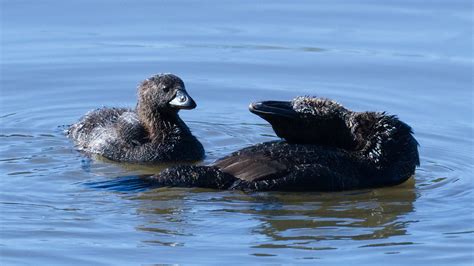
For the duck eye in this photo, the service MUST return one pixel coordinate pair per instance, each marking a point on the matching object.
(166, 89)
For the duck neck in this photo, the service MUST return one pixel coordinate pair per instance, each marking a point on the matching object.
(160, 125)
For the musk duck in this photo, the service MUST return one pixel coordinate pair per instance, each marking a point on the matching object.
(151, 133)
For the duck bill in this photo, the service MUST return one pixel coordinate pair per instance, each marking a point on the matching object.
(182, 100)
(273, 109)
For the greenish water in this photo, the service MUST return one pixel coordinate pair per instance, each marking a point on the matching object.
(60, 59)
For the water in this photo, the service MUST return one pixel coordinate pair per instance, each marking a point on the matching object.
(60, 59)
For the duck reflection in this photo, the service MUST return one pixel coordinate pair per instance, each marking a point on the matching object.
(274, 219)
(361, 215)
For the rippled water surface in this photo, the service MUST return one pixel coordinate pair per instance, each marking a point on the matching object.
(60, 59)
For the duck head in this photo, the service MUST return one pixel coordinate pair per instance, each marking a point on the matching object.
(307, 120)
(163, 94)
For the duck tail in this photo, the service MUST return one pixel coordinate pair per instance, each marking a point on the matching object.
(192, 176)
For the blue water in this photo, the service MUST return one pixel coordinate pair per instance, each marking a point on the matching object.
(60, 59)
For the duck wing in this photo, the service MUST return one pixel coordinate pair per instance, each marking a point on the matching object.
(305, 177)
(280, 163)
(255, 163)
(253, 166)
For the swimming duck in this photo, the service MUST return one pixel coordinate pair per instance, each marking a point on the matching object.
(151, 133)
(325, 147)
